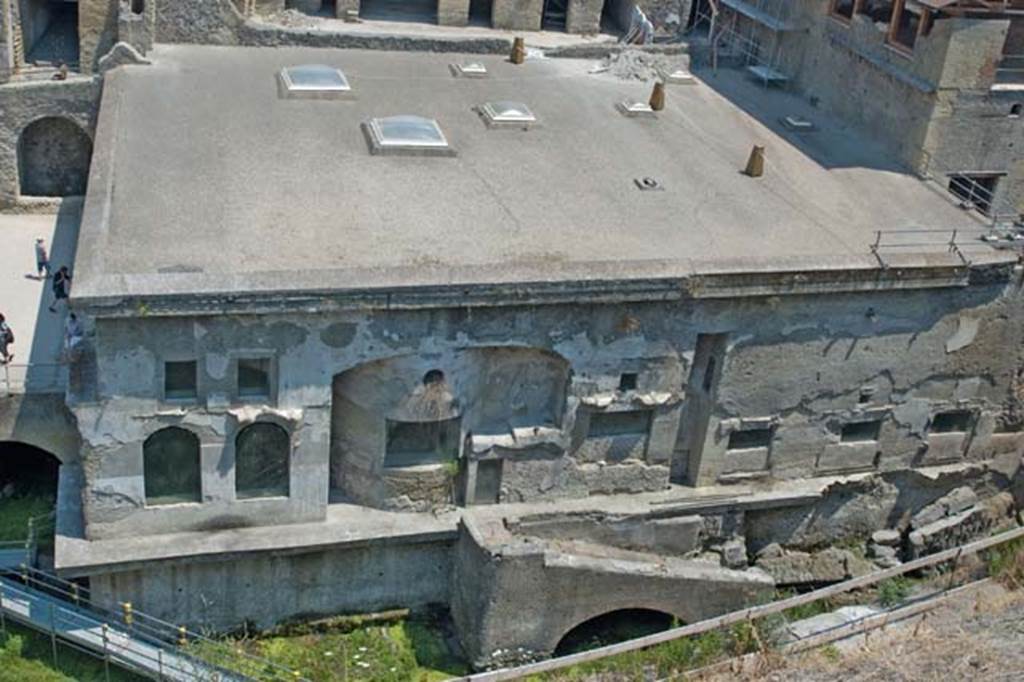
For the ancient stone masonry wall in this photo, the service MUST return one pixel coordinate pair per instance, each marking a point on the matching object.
(218, 22)
(73, 102)
(418, 409)
(97, 30)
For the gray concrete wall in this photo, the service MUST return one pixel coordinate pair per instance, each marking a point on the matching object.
(263, 589)
(806, 366)
(521, 596)
(41, 420)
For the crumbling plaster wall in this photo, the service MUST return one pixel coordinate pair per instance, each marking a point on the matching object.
(41, 420)
(807, 365)
(23, 103)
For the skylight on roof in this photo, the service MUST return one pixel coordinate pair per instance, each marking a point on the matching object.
(469, 70)
(313, 81)
(505, 113)
(414, 135)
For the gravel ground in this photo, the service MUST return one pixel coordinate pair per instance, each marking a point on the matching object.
(976, 636)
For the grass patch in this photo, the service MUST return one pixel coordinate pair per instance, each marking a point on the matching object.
(397, 651)
(27, 656)
(16, 511)
(669, 658)
(1005, 563)
(894, 590)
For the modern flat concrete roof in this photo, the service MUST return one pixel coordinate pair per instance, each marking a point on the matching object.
(204, 181)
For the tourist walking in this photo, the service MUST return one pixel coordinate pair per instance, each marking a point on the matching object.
(42, 258)
(6, 340)
(61, 287)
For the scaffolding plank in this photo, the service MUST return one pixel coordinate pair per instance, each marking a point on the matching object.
(759, 15)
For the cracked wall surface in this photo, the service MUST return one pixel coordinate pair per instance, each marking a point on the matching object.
(539, 394)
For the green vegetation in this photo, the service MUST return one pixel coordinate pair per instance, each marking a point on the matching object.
(397, 651)
(27, 656)
(894, 590)
(671, 657)
(1005, 563)
(16, 511)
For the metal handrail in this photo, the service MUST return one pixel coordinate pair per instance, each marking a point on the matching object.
(9, 386)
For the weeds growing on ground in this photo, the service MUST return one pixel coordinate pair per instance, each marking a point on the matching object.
(893, 591)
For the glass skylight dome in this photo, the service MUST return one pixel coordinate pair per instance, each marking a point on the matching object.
(507, 113)
(314, 81)
(406, 134)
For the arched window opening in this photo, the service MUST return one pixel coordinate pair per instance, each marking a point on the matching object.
(171, 467)
(434, 376)
(613, 627)
(53, 158)
(262, 451)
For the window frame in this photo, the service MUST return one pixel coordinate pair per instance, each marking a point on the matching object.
(898, 8)
(237, 357)
(162, 378)
(288, 462)
(148, 503)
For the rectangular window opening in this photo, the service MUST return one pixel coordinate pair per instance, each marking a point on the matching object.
(180, 380)
(627, 381)
(750, 438)
(416, 443)
(254, 377)
(859, 432)
(954, 421)
(905, 28)
(843, 8)
(631, 423)
(488, 481)
(878, 11)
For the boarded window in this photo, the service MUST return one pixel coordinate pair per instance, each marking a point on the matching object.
(750, 438)
(170, 467)
(955, 421)
(180, 380)
(413, 443)
(631, 423)
(262, 451)
(254, 378)
(858, 432)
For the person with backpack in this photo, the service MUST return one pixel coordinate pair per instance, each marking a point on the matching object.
(6, 340)
(61, 287)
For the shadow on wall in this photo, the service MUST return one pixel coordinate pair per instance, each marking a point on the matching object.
(827, 146)
(53, 158)
(409, 411)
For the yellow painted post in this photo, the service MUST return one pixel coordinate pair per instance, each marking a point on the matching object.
(128, 615)
(182, 636)
(74, 593)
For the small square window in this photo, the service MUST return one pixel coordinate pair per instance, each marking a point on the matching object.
(610, 424)
(180, 380)
(860, 432)
(627, 381)
(750, 438)
(955, 421)
(254, 377)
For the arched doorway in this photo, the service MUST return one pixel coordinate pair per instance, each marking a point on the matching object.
(53, 158)
(612, 627)
(28, 490)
